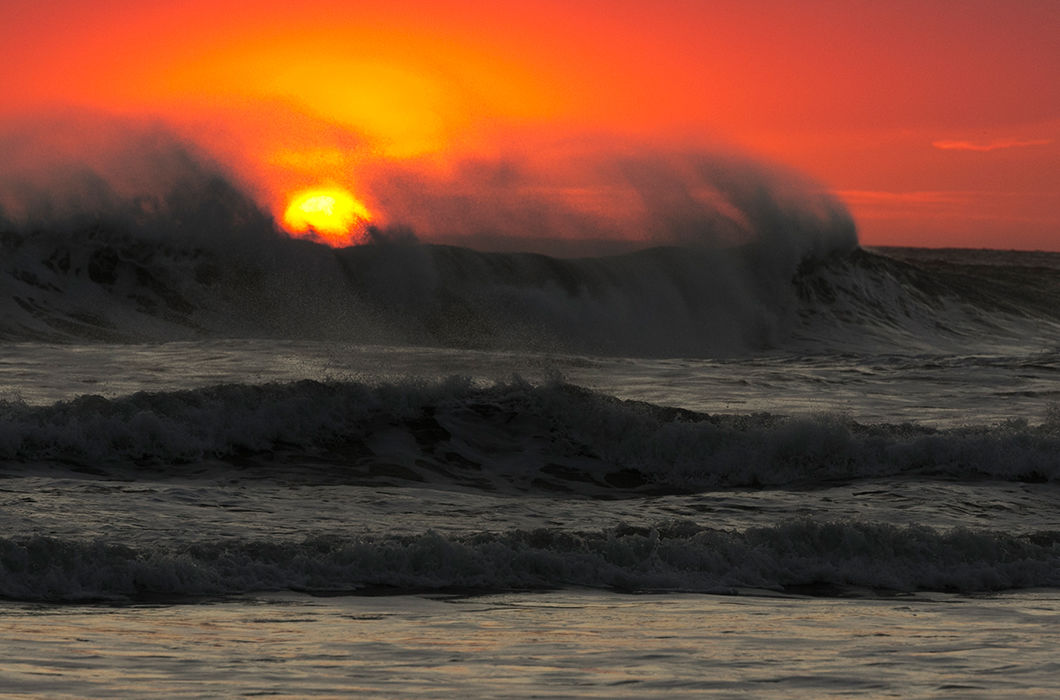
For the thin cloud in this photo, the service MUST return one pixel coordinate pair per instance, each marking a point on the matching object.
(994, 145)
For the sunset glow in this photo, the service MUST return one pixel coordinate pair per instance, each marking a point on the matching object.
(390, 99)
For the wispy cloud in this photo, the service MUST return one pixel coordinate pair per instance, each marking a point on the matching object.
(994, 145)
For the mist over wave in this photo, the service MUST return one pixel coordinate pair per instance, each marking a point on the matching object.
(605, 197)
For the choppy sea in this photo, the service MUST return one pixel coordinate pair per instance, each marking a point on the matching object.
(405, 470)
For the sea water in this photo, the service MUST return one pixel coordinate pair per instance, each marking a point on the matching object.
(141, 566)
(410, 470)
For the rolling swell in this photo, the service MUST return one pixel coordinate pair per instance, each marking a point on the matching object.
(675, 556)
(509, 436)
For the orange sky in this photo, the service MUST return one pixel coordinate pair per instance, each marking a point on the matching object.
(938, 123)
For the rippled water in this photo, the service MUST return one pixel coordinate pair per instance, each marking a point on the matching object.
(550, 644)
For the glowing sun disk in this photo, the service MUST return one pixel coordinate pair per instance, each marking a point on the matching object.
(333, 213)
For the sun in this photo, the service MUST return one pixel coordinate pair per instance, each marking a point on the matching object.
(331, 214)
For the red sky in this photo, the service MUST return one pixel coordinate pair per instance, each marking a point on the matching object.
(937, 123)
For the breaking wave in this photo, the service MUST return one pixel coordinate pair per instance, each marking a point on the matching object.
(659, 302)
(796, 556)
(149, 241)
(554, 437)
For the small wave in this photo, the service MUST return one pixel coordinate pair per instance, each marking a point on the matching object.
(676, 556)
(506, 435)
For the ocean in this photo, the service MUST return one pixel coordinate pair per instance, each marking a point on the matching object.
(267, 467)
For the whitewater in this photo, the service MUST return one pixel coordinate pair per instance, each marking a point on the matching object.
(239, 464)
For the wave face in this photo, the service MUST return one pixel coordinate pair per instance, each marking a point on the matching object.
(675, 556)
(958, 300)
(554, 438)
